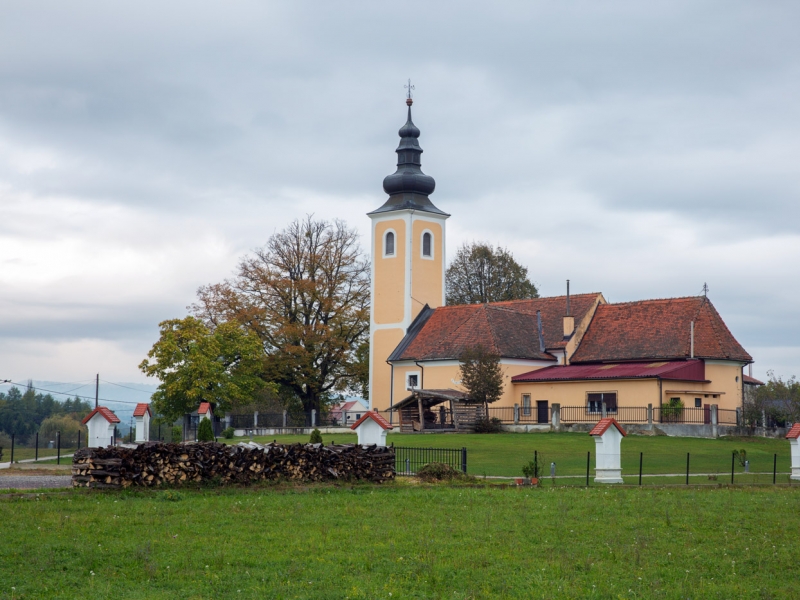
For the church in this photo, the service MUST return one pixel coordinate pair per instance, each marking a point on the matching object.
(574, 350)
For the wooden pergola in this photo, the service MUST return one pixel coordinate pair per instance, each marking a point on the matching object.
(460, 414)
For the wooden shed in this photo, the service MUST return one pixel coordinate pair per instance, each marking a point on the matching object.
(442, 410)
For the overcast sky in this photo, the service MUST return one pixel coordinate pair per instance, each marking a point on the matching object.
(639, 149)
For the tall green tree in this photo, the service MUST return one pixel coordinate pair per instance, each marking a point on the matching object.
(481, 375)
(778, 399)
(222, 365)
(481, 273)
(305, 296)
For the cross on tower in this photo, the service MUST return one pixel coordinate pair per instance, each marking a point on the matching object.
(410, 89)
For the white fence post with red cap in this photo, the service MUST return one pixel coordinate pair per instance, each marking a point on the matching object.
(100, 423)
(608, 436)
(794, 445)
(371, 429)
(142, 415)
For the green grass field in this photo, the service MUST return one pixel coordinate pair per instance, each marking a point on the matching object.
(403, 541)
(504, 454)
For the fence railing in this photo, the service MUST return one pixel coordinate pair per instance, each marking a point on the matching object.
(683, 415)
(442, 418)
(409, 460)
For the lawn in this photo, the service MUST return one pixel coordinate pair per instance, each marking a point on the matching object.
(504, 454)
(402, 540)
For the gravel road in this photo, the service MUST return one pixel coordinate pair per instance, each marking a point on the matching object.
(29, 482)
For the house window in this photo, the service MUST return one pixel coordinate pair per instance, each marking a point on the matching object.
(358, 416)
(388, 244)
(698, 402)
(526, 405)
(412, 381)
(427, 245)
(595, 401)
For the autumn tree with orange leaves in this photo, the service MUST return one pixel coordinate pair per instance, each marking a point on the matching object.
(305, 295)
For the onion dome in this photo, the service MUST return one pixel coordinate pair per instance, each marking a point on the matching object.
(408, 187)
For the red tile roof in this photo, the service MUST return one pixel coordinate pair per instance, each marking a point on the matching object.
(140, 409)
(794, 432)
(751, 380)
(375, 417)
(103, 412)
(508, 329)
(689, 370)
(658, 329)
(604, 424)
(203, 408)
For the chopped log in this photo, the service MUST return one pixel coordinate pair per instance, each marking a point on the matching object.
(155, 463)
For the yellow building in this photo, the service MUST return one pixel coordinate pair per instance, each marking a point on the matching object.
(577, 351)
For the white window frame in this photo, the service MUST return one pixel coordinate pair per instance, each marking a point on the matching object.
(422, 245)
(409, 374)
(383, 243)
(526, 410)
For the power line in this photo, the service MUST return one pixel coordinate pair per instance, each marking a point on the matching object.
(126, 387)
(70, 395)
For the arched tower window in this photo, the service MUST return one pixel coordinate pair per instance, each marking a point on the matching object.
(388, 244)
(427, 245)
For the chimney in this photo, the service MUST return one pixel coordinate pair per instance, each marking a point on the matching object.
(569, 320)
(691, 339)
(569, 325)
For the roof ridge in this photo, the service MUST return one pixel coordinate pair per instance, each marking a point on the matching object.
(652, 300)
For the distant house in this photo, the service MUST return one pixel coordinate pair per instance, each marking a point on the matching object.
(100, 423)
(347, 412)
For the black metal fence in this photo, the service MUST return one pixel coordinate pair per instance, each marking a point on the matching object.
(409, 460)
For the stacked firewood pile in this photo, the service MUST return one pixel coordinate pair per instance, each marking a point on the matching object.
(156, 463)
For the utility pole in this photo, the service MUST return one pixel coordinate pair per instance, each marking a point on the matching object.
(96, 389)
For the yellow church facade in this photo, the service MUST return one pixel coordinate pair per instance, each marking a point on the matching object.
(572, 350)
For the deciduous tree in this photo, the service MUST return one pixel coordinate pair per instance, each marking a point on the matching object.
(481, 273)
(196, 364)
(305, 295)
(481, 375)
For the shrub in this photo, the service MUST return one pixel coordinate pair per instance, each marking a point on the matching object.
(316, 437)
(437, 471)
(177, 435)
(485, 425)
(533, 469)
(227, 433)
(68, 427)
(205, 432)
(673, 410)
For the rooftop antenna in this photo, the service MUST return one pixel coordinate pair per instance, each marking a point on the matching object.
(567, 297)
(96, 389)
(409, 95)
(705, 290)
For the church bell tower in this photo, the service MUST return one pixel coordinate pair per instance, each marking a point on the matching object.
(408, 262)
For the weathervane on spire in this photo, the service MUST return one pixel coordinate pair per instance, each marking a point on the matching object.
(410, 88)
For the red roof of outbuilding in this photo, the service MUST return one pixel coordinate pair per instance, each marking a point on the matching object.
(751, 380)
(794, 432)
(604, 424)
(203, 408)
(104, 412)
(658, 329)
(508, 329)
(375, 417)
(140, 409)
(689, 370)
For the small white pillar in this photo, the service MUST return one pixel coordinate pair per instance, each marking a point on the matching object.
(794, 444)
(608, 436)
(142, 415)
(372, 429)
(100, 423)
